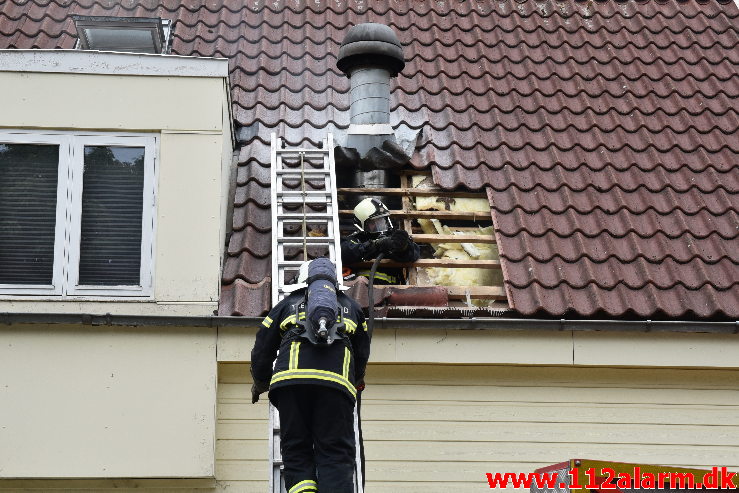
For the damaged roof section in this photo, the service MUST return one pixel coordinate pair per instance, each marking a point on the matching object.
(602, 132)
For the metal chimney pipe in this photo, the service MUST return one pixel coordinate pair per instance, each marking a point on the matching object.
(369, 96)
(370, 55)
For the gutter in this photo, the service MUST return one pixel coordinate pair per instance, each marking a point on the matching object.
(381, 323)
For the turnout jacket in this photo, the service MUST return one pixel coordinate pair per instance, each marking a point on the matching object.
(339, 365)
(359, 246)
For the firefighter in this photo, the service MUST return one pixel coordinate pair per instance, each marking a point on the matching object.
(377, 235)
(314, 385)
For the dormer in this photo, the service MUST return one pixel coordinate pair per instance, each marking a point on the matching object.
(114, 172)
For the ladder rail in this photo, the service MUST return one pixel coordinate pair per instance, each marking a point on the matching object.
(329, 142)
(275, 165)
(281, 217)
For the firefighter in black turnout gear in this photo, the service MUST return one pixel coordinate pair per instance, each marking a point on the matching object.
(319, 370)
(377, 235)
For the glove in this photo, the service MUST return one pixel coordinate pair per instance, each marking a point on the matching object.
(395, 242)
(360, 385)
(400, 240)
(258, 388)
(384, 244)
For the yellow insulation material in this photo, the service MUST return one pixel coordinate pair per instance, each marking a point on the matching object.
(444, 203)
(443, 276)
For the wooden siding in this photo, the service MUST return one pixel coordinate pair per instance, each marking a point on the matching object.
(441, 428)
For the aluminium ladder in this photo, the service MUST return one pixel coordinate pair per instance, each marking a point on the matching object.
(312, 204)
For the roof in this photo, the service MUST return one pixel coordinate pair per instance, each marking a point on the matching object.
(603, 132)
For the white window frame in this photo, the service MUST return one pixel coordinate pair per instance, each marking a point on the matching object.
(69, 215)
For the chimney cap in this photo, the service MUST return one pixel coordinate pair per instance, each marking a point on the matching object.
(371, 44)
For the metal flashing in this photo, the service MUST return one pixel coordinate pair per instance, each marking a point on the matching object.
(370, 129)
(111, 63)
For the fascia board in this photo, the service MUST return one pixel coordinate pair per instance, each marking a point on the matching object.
(111, 63)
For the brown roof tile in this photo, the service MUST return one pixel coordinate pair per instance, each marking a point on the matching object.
(603, 132)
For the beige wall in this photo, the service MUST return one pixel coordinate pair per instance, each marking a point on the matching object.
(443, 407)
(440, 428)
(107, 402)
(111, 102)
(191, 117)
(431, 423)
(527, 347)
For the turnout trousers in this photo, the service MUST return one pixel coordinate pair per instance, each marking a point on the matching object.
(316, 438)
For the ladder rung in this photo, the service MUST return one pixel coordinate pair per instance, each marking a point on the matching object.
(281, 264)
(298, 172)
(304, 150)
(311, 240)
(308, 193)
(293, 265)
(313, 218)
(309, 200)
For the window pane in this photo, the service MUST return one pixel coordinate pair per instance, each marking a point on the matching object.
(28, 182)
(112, 204)
(129, 40)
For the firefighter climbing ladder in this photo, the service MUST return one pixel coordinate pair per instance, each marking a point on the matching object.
(301, 208)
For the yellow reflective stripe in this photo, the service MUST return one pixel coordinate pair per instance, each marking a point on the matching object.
(306, 485)
(351, 325)
(379, 275)
(364, 326)
(347, 359)
(328, 376)
(288, 320)
(267, 321)
(291, 320)
(294, 352)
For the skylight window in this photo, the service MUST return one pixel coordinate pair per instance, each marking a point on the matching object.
(126, 34)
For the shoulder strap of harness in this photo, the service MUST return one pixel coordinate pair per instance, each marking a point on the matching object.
(305, 329)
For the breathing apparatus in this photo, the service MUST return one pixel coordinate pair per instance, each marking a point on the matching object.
(323, 316)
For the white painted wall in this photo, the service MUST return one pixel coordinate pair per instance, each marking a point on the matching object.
(107, 402)
(191, 114)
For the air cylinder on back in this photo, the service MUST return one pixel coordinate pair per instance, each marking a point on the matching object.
(321, 308)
